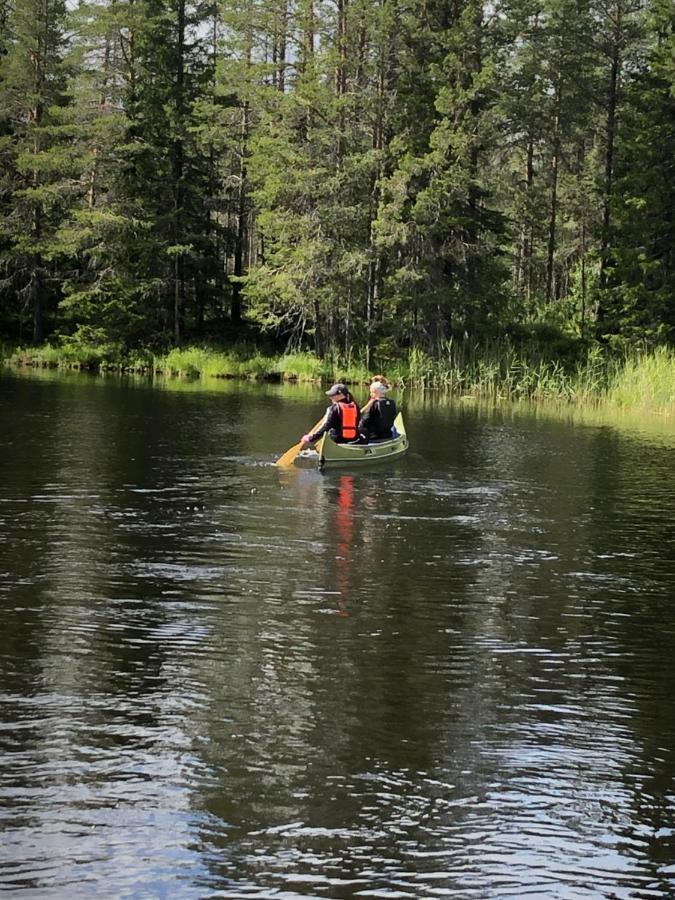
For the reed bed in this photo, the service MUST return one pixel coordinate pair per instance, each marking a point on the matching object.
(198, 362)
(646, 381)
(494, 371)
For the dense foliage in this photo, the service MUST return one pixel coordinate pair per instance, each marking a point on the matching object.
(355, 176)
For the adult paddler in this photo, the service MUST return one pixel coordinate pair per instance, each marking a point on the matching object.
(341, 420)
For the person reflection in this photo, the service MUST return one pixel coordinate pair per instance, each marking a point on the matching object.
(344, 520)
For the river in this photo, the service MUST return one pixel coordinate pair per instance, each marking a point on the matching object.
(451, 677)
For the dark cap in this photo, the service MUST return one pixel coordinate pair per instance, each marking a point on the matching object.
(338, 388)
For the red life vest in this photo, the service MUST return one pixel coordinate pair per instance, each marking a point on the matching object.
(349, 412)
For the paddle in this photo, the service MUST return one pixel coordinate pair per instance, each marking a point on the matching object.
(289, 456)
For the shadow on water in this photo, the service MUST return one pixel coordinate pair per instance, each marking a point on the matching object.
(446, 678)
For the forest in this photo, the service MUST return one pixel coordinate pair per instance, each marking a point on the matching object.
(340, 176)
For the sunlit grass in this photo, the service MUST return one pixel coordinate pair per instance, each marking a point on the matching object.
(242, 362)
(302, 366)
(502, 372)
(49, 356)
(645, 381)
(200, 362)
(76, 354)
(497, 371)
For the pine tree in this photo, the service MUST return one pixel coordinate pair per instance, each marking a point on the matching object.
(97, 303)
(167, 172)
(315, 156)
(640, 298)
(9, 312)
(358, 176)
(37, 154)
(439, 220)
(143, 230)
(619, 28)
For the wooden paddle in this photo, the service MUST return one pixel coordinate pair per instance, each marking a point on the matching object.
(289, 456)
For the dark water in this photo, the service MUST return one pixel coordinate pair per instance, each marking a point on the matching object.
(450, 678)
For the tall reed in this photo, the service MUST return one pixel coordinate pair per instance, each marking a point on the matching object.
(500, 370)
(496, 369)
(203, 362)
(645, 380)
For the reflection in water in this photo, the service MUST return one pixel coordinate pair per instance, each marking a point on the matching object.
(448, 678)
(344, 532)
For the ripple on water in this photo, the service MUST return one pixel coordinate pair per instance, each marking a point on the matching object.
(451, 679)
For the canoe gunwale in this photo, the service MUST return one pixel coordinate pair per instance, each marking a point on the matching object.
(332, 454)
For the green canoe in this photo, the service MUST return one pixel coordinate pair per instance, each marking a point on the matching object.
(328, 454)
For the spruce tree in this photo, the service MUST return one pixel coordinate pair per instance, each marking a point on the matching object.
(439, 220)
(639, 303)
(36, 149)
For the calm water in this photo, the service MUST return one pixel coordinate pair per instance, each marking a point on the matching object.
(450, 678)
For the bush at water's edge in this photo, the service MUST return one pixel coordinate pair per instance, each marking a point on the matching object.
(497, 371)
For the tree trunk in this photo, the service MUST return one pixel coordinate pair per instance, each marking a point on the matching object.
(583, 279)
(102, 103)
(371, 307)
(374, 285)
(552, 225)
(318, 331)
(341, 37)
(307, 26)
(178, 298)
(610, 127)
(280, 41)
(240, 240)
(35, 302)
(35, 286)
(178, 166)
(524, 269)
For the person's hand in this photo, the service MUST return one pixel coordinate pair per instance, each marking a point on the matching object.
(304, 442)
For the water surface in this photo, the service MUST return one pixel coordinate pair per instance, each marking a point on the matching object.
(448, 678)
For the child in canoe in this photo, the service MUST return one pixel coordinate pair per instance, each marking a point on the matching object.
(379, 413)
(341, 420)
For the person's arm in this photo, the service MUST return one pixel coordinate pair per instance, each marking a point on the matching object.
(369, 414)
(328, 423)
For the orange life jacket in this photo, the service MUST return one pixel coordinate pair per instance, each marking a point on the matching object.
(349, 412)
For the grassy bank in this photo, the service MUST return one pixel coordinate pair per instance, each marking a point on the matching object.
(190, 362)
(644, 380)
(492, 371)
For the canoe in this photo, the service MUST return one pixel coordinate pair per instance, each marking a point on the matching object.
(328, 454)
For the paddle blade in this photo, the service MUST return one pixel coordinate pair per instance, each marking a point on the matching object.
(289, 456)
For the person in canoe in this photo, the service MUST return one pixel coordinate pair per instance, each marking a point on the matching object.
(341, 420)
(379, 413)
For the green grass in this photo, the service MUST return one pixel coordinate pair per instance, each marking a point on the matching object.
(646, 381)
(201, 362)
(501, 371)
(302, 366)
(496, 370)
(69, 354)
(247, 362)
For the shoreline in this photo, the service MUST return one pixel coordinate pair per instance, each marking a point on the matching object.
(643, 381)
